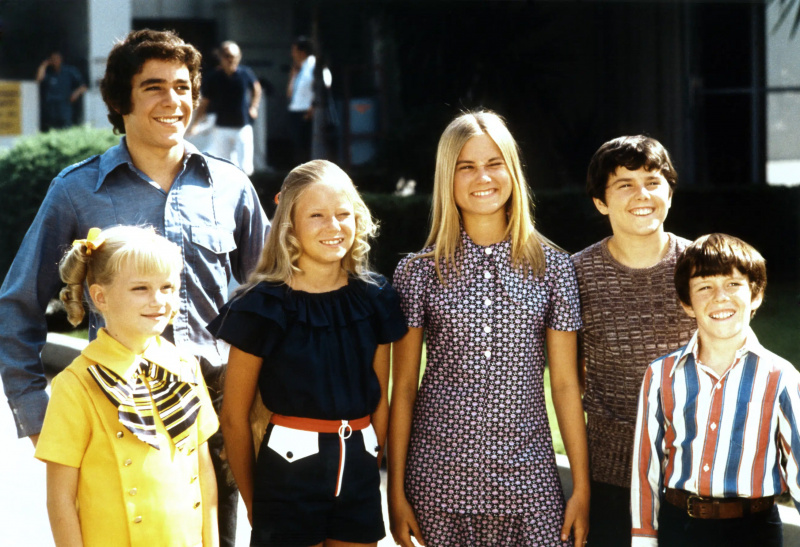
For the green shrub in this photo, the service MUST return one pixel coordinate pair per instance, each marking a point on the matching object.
(26, 171)
(766, 217)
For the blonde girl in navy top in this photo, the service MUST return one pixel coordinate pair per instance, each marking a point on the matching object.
(311, 332)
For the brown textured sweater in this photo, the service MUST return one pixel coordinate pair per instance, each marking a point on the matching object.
(630, 317)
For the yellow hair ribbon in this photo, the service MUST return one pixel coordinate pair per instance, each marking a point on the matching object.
(92, 241)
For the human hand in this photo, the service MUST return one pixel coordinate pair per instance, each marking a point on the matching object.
(576, 518)
(403, 523)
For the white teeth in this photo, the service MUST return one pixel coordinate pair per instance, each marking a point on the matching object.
(483, 193)
(331, 241)
(643, 211)
(172, 119)
(721, 315)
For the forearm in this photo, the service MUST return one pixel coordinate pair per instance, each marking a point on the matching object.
(77, 93)
(31, 282)
(380, 417)
(646, 473)
(562, 352)
(255, 99)
(406, 356)
(208, 493)
(62, 488)
(569, 413)
(241, 456)
(65, 524)
(401, 412)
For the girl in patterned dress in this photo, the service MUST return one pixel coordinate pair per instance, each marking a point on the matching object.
(311, 334)
(126, 430)
(471, 459)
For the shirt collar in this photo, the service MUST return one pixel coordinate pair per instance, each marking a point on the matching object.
(119, 155)
(106, 351)
(470, 247)
(751, 345)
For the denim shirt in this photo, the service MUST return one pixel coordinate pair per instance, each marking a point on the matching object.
(211, 212)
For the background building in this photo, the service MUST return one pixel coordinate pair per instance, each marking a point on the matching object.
(717, 82)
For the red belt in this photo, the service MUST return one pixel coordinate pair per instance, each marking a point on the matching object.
(344, 428)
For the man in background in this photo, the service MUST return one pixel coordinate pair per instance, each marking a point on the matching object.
(300, 93)
(233, 93)
(60, 86)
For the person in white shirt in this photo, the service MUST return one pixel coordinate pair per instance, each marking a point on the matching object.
(300, 92)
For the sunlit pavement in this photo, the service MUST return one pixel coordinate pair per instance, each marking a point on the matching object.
(23, 514)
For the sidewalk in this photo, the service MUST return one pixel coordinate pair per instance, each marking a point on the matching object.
(23, 510)
(23, 513)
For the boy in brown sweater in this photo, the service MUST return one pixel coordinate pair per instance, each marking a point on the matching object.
(630, 311)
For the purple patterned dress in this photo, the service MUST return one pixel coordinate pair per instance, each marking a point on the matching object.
(480, 441)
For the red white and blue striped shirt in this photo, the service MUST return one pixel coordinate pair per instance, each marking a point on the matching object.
(715, 436)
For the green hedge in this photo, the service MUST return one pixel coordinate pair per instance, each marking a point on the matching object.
(25, 174)
(766, 217)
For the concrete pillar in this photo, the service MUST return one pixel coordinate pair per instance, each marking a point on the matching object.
(106, 26)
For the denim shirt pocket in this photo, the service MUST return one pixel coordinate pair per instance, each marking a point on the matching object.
(210, 247)
(293, 444)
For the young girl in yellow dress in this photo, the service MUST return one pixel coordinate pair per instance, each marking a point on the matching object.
(124, 437)
(311, 333)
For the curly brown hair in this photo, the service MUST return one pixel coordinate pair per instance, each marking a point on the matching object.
(129, 56)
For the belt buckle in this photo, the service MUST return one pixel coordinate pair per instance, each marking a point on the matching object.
(689, 501)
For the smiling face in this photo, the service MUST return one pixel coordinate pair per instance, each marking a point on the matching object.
(324, 225)
(722, 305)
(636, 202)
(137, 306)
(482, 183)
(161, 107)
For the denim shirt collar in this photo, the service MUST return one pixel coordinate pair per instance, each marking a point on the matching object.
(119, 155)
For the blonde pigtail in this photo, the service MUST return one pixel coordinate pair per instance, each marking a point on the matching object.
(73, 270)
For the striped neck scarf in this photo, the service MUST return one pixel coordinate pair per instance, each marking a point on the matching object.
(152, 401)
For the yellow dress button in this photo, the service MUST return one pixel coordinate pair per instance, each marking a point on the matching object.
(132, 491)
(127, 462)
(137, 520)
(196, 504)
(119, 434)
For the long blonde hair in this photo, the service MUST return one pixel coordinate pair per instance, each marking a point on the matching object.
(445, 234)
(282, 250)
(98, 261)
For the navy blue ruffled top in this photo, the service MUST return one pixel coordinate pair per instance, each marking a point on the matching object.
(318, 348)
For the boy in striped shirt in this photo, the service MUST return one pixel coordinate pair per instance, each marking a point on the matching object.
(717, 429)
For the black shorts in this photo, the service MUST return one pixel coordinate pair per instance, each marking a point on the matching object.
(294, 499)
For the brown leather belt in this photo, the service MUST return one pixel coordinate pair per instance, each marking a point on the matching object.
(717, 508)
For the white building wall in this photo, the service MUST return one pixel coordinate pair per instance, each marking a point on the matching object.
(106, 26)
(783, 107)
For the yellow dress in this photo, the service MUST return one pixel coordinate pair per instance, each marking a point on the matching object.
(129, 493)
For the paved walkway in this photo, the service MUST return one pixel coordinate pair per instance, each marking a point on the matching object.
(23, 510)
(23, 513)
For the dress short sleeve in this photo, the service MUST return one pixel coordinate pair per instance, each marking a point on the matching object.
(253, 321)
(412, 278)
(564, 312)
(67, 424)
